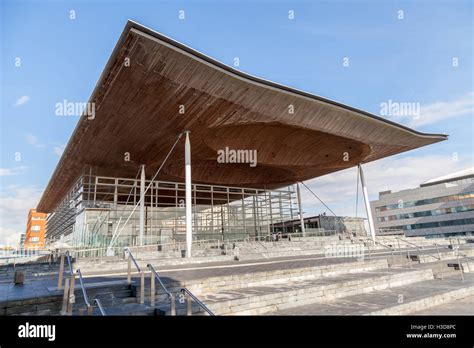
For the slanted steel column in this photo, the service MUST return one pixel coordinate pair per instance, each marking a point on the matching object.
(189, 221)
(142, 204)
(300, 208)
(367, 204)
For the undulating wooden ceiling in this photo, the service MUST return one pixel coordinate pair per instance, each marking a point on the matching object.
(139, 102)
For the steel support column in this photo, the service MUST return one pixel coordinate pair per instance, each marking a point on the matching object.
(189, 221)
(367, 204)
(300, 208)
(142, 205)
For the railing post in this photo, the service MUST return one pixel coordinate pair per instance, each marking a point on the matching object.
(65, 297)
(368, 249)
(71, 297)
(152, 289)
(189, 305)
(61, 271)
(460, 268)
(440, 267)
(409, 258)
(173, 305)
(142, 287)
(129, 269)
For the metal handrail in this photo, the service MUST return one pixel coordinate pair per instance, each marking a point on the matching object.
(202, 305)
(403, 240)
(152, 269)
(381, 244)
(133, 259)
(68, 258)
(419, 248)
(84, 292)
(459, 253)
(99, 305)
(385, 246)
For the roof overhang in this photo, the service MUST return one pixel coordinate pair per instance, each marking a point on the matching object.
(137, 111)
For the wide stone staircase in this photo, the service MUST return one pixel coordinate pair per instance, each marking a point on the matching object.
(297, 277)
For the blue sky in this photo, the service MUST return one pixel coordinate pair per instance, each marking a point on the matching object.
(403, 60)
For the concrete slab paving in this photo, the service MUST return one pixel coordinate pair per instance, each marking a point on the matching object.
(463, 306)
(378, 300)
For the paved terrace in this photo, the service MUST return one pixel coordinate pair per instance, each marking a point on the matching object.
(277, 275)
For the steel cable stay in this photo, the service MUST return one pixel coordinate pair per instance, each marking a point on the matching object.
(147, 188)
(99, 218)
(123, 210)
(314, 194)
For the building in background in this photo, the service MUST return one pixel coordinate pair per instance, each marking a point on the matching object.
(441, 207)
(323, 224)
(21, 243)
(35, 230)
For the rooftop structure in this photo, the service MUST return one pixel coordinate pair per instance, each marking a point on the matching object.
(151, 91)
(153, 88)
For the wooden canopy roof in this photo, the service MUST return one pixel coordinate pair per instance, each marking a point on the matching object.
(150, 77)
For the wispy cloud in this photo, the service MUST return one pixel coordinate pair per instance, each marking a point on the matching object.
(14, 205)
(33, 140)
(440, 111)
(12, 171)
(22, 100)
(58, 150)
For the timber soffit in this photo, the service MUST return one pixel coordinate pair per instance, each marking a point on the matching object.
(133, 27)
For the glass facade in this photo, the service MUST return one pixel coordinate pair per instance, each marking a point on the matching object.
(101, 209)
(435, 212)
(444, 208)
(435, 224)
(410, 204)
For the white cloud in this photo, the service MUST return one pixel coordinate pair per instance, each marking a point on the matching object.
(15, 203)
(22, 100)
(338, 190)
(440, 111)
(9, 237)
(12, 171)
(33, 140)
(58, 150)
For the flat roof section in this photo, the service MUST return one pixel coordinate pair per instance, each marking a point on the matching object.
(137, 111)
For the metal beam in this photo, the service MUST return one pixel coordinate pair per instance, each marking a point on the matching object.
(367, 204)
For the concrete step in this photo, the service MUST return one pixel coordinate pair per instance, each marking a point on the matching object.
(32, 271)
(400, 300)
(134, 309)
(112, 292)
(462, 306)
(433, 256)
(108, 292)
(264, 299)
(442, 270)
(32, 306)
(203, 281)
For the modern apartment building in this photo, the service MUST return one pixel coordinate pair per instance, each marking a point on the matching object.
(35, 230)
(443, 206)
